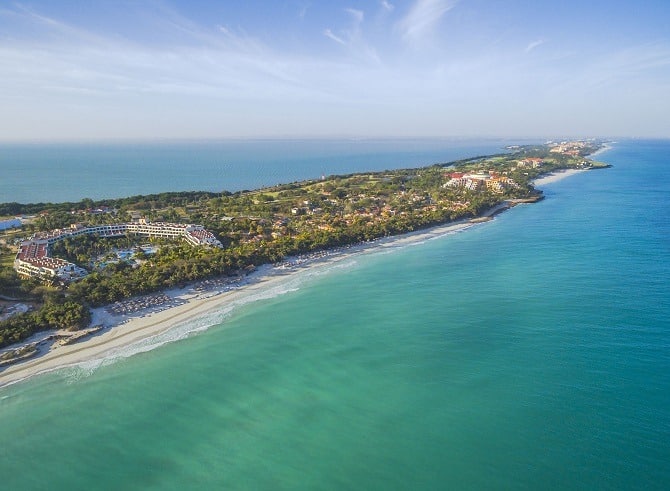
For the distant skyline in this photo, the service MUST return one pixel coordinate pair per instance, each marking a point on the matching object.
(109, 70)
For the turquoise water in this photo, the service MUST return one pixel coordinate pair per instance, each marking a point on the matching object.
(529, 352)
(32, 173)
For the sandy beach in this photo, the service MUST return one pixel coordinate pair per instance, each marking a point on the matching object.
(121, 333)
(605, 148)
(556, 176)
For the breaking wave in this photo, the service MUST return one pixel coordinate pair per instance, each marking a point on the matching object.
(202, 322)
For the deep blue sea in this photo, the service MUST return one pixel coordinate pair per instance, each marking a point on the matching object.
(528, 352)
(33, 173)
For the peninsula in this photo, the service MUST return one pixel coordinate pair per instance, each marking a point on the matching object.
(74, 270)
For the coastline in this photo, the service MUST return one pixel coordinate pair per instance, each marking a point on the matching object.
(556, 176)
(125, 335)
(605, 147)
(121, 333)
(562, 174)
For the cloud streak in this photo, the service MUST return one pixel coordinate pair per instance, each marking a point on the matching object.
(329, 34)
(534, 44)
(353, 37)
(423, 17)
(217, 63)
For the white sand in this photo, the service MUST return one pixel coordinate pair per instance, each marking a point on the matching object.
(605, 148)
(556, 176)
(123, 332)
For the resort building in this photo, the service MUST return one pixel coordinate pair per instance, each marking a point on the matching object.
(500, 184)
(46, 267)
(530, 162)
(33, 259)
(478, 182)
(569, 148)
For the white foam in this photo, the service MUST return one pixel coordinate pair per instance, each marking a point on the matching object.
(190, 327)
(218, 316)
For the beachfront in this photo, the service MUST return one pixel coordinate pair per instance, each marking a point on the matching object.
(125, 328)
(556, 176)
(138, 320)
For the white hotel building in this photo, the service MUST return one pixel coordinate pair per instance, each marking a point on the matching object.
(33, 259)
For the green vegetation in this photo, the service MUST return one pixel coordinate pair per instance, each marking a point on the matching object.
(68, 315)
(11, 285)
(264, 226)
(82, 249)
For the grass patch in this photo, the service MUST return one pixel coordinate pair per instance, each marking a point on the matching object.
(7, 259)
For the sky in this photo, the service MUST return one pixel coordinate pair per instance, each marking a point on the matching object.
(197, 69)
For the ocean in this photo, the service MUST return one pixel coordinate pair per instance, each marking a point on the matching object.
(57, 172)
(528, 352)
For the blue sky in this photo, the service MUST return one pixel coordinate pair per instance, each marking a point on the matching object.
(120, 69)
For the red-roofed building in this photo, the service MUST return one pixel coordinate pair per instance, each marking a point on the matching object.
(33, 259)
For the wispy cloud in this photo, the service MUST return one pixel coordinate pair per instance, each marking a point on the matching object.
(329, 34)
(352, 33)
(232, 75)
(303, 10)
(50, 28)
(353, 38)
(648, 64)
(534, 44)
(423, 17)
(642, 58)
(639, 73)
(357, 15)
(220, 62)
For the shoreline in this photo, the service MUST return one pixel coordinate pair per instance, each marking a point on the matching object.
(189, 304)
(556, 176)
(122, 332)
(605, 147)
